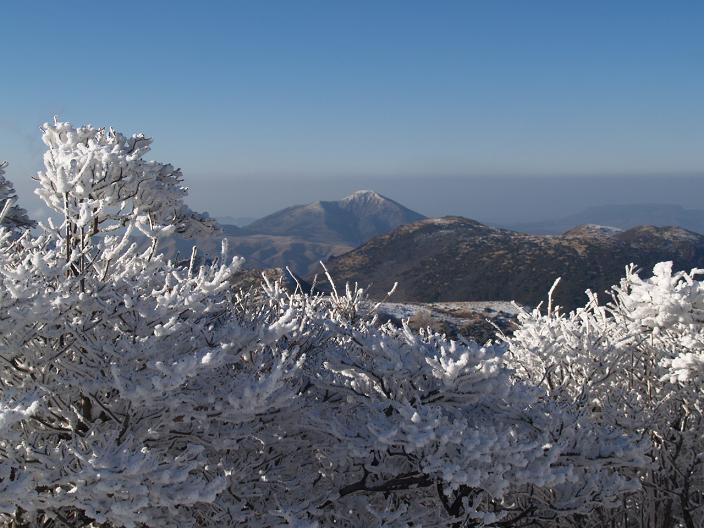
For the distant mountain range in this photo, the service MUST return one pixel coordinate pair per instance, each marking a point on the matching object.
(457, 259)
(302, 235)
(375, 241)
(623, 216)
(352, 220)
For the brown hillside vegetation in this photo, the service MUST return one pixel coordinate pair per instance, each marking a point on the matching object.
(457, 259)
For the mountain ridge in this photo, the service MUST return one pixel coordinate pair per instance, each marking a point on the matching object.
(459, 259)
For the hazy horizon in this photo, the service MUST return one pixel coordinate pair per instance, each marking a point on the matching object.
(493, 199)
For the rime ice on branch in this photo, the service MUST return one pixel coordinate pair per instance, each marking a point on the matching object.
(15, 217)
(98, 180)
(635, 364)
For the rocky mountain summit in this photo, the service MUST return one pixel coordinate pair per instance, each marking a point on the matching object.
(458, 259)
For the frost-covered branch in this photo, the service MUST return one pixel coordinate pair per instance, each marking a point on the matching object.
(634, 364)
(15, 217)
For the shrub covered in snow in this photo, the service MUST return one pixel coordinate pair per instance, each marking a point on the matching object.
(634, 364)
(134, 392)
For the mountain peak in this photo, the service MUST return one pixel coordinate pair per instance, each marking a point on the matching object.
(337, 225)
(365, 196)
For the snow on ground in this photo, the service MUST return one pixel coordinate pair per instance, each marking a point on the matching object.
(490, 308)
(606, 230)
(476, 319)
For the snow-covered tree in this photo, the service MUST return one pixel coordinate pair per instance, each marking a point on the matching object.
(97, 179)
(134, 392)
(15, 217)
(426, 431)
(634, 364)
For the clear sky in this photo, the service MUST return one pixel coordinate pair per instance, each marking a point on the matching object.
(250, 91)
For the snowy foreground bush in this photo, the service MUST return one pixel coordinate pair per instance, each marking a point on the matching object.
(635, 365)
(134, 392)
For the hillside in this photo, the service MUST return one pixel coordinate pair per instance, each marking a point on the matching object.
(457, 259)
(271, 251)
(480, 321)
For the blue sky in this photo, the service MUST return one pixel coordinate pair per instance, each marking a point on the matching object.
(236, 91)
